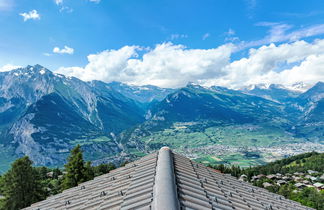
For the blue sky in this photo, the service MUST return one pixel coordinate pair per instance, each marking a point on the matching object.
(32, 29)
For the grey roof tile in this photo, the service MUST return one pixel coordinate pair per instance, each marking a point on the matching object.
(143, 185)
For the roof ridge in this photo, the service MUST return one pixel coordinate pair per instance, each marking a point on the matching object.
(165, 194)
(165, 180)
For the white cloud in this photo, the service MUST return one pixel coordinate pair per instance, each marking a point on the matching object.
(62, 7)
(65, 50)
(33, 15)
(169, 65)
(47, 54)
(178, 36)
(232, 39)
(230, 32)
(166, 65)
(8, 67)
(279, 32)
(306, 32)
(230, 36)
(95, 1)
(285, 64)
(66, 9)
(309, 71)
(58, 2)
(205, 36)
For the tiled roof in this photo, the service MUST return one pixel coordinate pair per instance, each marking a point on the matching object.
(164, 180)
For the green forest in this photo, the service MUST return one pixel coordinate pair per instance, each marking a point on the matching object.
(24, 184)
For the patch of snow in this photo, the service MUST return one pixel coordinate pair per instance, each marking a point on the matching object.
(143, 88)
(299, 87)
(42, 71)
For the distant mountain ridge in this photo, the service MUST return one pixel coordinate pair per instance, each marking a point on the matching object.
(44, 114)
(42, 111)
(143, 94)
(273, 92)
(195, 102)
(195, 112)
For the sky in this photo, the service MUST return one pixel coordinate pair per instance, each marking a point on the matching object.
(168, 43)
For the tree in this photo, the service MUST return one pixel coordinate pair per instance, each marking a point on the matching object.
(42, 172)
(21, 185)
(75, 169)
(103, 168)
(286, 190)
(124, 163)
(56, 173)
(89, 172)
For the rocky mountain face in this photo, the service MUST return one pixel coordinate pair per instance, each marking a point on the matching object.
(143, 94)
(274, 92)
(43, 114)
(307, 106)
(197, 103)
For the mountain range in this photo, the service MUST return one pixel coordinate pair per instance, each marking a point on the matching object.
(44, 114)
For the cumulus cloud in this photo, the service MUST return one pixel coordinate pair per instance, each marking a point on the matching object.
(8, 67)
(65, 50)
(33, 15)
(310, 71)
(285, 64)
(167, 65)
(170, 65)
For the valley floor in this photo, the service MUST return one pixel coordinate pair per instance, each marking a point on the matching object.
(249, 156)
(243, 145)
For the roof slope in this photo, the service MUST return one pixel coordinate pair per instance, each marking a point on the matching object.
(165, 180)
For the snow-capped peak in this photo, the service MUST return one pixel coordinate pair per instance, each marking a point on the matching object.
(42, 71)
(298, 86)
(257, 86)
